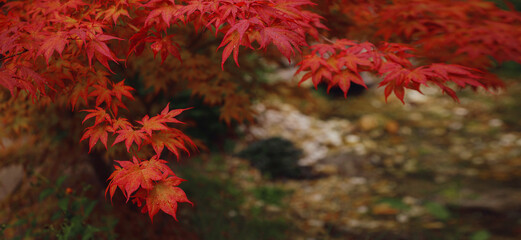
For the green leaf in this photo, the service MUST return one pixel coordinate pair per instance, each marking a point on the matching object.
(76, 225)
(89, 232)
(270, 195)
(20, 222)
(480, 235)
(63, 203)
(88, 208)
(60, 180)
(395, 203)
(45, 193)
(437, 210)
(3, 226)
(66, 233)
(78, 203)
(86, 188)
(57, 215)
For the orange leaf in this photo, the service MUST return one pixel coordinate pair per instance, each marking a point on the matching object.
(99, 114)
(172, 139)
(130, 136)
(95, 133)
(165, 196)
(150, 124)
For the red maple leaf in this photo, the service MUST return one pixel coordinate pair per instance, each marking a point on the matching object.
(55, 42)
(99, 114)
(133, 175)
(168, 116)
(172, 139)
(103, 95)
(165, 46)
(158, 164)
(344, 79)
(167, 12)
(151, 124)
(137, 42)
(130, 136)
(120, 89)
(97, 47)
(120, 123)
(151, 181)
(114, 12)
(7, 80)
(164, 196)
(80, 91)
(286, 39)
(232, 42)
(96, 133)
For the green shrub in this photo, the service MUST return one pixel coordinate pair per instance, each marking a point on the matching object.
(275, 157)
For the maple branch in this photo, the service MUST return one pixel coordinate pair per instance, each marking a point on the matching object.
(135, 151)
(197, 44)
(14, 55)
(196, 39)
(330, 41)
(112, 115)
(100, 166)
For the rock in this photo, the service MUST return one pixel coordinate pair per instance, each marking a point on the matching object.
(314, 136)
(313, 152)
(392, 127)
(460, 111)
(273, 209)
(316, 223)
(402, 218)
(416, 97)
(434, 225)
(362, 209)
(410, 166)
(326, 169)
(346, 164)
(317, 197)
(495, 122)
(496, 200)
(10, 178)
(351, 138)
(507, 139)
(368, 122)
(384, 209)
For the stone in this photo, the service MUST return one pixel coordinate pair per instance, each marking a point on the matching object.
(384, 209)
(326, 169)
(392, 127)
(10, 177)
(368, 122)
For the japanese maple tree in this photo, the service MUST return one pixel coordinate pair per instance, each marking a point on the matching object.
(68, 52)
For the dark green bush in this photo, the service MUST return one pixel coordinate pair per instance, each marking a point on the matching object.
(275, 157)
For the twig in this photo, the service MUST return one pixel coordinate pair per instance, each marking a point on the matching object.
(16, 54)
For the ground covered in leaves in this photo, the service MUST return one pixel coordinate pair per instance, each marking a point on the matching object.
(429, 169)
